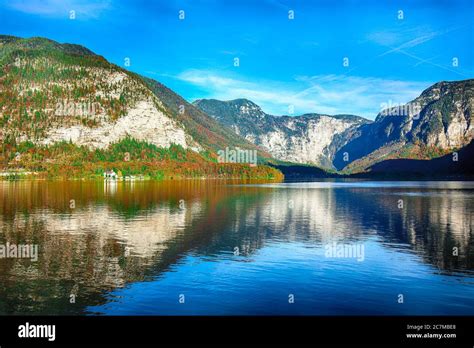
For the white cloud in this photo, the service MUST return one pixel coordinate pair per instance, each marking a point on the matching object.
(411, 36)
(330, 94)
(413, 42)
(61, 8)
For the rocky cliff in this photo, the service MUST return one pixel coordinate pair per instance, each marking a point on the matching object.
(300, 139)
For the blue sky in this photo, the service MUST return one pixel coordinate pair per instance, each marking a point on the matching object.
(284, 63)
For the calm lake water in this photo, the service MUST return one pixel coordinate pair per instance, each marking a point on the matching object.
(217, 248)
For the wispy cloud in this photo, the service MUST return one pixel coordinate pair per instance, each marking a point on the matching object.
(60, 8)
(413, 42)
(428, 61)
(403, 36)
(403, 40)
(330, 94)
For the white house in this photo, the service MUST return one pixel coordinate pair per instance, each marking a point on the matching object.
(110, 175)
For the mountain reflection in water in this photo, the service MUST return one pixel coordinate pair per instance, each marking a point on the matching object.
(135, 247)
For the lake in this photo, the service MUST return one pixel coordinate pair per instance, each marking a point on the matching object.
(228, 248)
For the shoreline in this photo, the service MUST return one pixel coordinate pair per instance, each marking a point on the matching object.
(42, 176)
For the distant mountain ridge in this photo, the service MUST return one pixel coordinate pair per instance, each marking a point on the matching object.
(441, 122)
(434, 124)
(300, 139)
(202, 127)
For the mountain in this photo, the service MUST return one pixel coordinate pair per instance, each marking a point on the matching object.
(435, 124)
(459, 164)
(439, 121)
(203, 128)
(53, 93)
(79, 96)
(300, 139)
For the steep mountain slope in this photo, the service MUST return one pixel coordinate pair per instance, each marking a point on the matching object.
(202, 127)
(437, 122)
(52, 93)
(300, 139)
(79, 96)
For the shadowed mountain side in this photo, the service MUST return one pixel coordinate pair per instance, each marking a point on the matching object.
(295, 172)
(444, 166)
